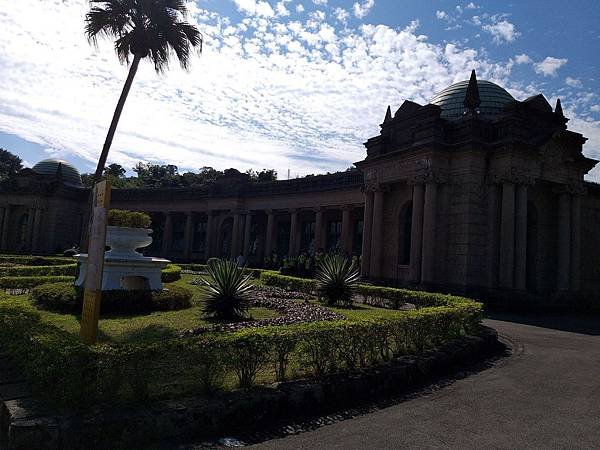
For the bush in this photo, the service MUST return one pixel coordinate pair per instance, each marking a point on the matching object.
(26, 260)
(66, 298)
(336, 280)
(212, 261)
(227, 290)
(38, 271)
(170, 273)
(273, 278)
(131, 219)
(61, 367)
(29, 282)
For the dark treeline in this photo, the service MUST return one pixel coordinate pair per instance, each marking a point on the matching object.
(167, 175)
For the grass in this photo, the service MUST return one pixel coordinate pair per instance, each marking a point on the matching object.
(148, 327)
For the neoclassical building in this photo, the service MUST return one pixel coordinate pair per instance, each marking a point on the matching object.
(474, 192)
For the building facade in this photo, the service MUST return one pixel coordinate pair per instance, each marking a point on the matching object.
(474, 192)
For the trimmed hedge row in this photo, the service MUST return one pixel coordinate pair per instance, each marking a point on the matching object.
(170, 273)
(64, 297)
(384, 297)
(38, 271)
(61, 367)
(256, 273)
(29, 282)
(27, 260)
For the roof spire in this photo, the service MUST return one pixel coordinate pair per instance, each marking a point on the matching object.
(59, 173)
(388, 114)
(472, 100)
(558, 109)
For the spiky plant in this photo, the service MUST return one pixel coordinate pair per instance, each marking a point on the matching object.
(336, 279)
(227, 293)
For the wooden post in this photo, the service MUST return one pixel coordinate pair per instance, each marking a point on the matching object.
(95, 263)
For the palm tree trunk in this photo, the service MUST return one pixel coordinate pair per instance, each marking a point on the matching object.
(116, 116)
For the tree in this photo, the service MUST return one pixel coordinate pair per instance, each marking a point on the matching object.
(143, 29)
(263, 175)
(114, 170)
(10, 164)
(156, 175)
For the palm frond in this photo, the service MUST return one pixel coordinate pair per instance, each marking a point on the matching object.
(336, 279)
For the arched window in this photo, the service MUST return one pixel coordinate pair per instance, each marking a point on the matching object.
(405, 234)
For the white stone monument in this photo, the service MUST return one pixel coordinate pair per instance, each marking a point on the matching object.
(124, 267)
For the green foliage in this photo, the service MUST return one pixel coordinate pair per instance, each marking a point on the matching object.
(131, 219)
(29, 282)
(212, 261)
(227, 290)
(273, 278)
(66, 298)
(38, 271)
(336, 279)
(26, 260)
(10, 164)
(59, 366)
(170, 273)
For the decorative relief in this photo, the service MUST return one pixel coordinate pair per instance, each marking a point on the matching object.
(512, 175)
(429, 175)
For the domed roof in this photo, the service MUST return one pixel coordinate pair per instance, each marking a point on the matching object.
(493, 98)
(69, 173)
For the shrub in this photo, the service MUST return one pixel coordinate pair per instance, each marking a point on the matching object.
(29, 282)
(273, 278)
(37, 271)
(212, 261)
(66, 298)
(227, 290)
(336, 279)
(26, 260)
(132, 219)
(170, 273)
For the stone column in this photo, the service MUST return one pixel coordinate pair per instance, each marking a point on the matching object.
(5, 228)
(564, 242)
(347, 231)
(188, 236)
(270, 235)
(367, 233)
(236, 236)
(576, 242)
(167, 234)
(210, 235)
(429, 216)
(493, 234)
(31, 217)
(292, 252)
(318, 229)
(36, 230)
(416, 237)
(247, 230)
(521, 238)
(377, 234)
(507, 236)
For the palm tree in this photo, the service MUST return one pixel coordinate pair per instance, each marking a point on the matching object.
(142, 28)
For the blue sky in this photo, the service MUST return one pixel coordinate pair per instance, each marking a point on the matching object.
(284, 83)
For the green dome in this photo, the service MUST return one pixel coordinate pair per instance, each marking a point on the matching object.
(69, 173)
(493, 98)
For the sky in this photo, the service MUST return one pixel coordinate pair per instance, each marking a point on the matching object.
(294, 85)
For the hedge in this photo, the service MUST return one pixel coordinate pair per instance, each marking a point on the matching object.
(170, 273)
(380, 296)
(256, 273)
(58, 365)
(131, 219)
(64, 297)
(37, 271)
(30, 282)
(27, 260)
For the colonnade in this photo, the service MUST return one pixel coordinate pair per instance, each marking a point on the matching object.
(242, 225)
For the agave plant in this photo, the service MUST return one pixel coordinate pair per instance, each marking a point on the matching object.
(228, 288)
(336, 279)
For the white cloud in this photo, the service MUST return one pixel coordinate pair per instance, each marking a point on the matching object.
(549, 66)
(319, 2)
(299, 8)
(472, 5)
(255, 8)
(281, 9)
(266, 92)
(442, 15)
(362, 9)
(501, 31)
(341, 15)
(573, 82)
(522, 59)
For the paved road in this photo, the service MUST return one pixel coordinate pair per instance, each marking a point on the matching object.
(545, 395)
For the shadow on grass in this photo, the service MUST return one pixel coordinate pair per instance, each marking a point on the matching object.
(149, 333)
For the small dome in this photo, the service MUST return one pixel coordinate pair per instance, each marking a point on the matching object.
(69, 173)
(493, 98)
